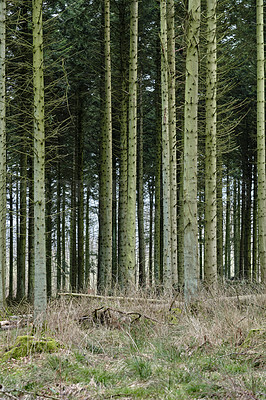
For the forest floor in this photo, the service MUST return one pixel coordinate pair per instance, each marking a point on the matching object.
(114, 349)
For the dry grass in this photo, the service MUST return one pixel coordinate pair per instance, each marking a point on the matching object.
(115, 348)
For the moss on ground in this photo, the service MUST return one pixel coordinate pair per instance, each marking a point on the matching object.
(26, 345)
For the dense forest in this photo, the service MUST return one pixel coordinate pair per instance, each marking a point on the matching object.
(132, 146)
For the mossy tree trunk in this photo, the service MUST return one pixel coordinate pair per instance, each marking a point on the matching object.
(40, 292)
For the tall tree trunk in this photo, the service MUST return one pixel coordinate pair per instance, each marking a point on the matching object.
(140, 199)
(105, 201)
(191, 267)
(236, 209)
(21, 256)
(40, 294)
(73, 234)
(150, 273)
(167, 259)
(58, 229)
(122, 206)
(255, 226)
(114, 226)
(63, 237)
(31, 233)
(210, 258)
(219, 199)
(228, 228)
(2, 152)
(80, 192)
(132, 141)
(158, 169)
(48, 228)
(172, 136)
(261, 140)
(11, 240)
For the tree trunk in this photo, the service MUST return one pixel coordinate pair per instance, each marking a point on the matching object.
(105, 201)
(48, 228)
(140, 200)
(40, 294)
(227, 269)
(87, 241)
(122, 206)
(191, 267)
(132, 141)
(172, 136)
(167, 230)
(2, 152)
(21, 256)
(11, 241)
(73, 234)
(255, 226)
(210, 258)
(80, 192)
(219, 199)
(63, 237)
(261, 140)
(158, 169)
(114, 227)
(151, 194)
(58, 229)
(31, 233)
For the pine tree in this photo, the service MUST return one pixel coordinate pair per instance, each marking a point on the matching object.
(132, 140)
(167, 272)
(210, 258)
(40, 295)
(2, 152)
(261, 140)
(191, 268)
(105, 206)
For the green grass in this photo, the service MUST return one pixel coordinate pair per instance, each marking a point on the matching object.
(200, 359)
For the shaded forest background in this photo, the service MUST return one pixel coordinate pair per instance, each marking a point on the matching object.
(74, 93)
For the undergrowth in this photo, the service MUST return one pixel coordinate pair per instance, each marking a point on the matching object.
(106, 349)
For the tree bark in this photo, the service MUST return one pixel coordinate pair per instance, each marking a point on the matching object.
(2, 152)
(40, 293)
(105, 206)
(172, 135)
(167, 230)
(132, 141)
(191, 267)
(261, 140)
(210, 258)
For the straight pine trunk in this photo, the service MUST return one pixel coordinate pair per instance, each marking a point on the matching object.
(210, 258)
(140, 199)
(40, 293)
(105, 201)
(167, 230)
(132, 141)
(261, 140)
(191, 266)
(122, 205)
(2, 151)
(172, 136)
